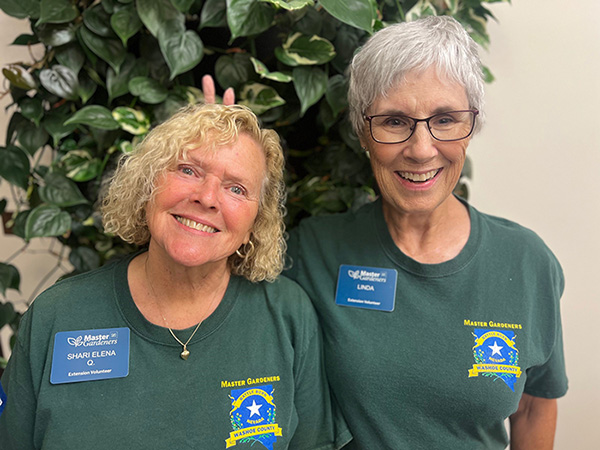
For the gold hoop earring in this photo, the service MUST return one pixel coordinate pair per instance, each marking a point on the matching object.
(251, 244)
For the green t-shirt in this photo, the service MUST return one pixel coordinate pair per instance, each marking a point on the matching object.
(465, 338)
(255, 365)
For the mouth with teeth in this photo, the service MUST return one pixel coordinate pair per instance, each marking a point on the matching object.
(419, 177)
(195, 225)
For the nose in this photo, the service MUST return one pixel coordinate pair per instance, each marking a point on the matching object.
(420, 147)
(207, 192)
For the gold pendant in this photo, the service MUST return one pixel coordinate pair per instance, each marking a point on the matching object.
(185, 353)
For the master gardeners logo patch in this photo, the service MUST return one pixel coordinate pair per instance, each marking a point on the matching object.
(496, 356)
(253, 417)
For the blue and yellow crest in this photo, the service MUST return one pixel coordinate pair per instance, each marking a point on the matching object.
(253, 417)
(496, 356)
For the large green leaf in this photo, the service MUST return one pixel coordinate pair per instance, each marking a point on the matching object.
(290, 5)
(262, 70)
(97, 20)
(132, 120)
(118, 84)
(32, 108)
(213, 14)
(260, 98)
(87, 87)
(57, 11)
(358, 13)
(110, 50)
(310, 84)
(95, 116)
(60, 191)
(181, 49)
(14, 166)
(347, 40)
(60, 81)
(337, 94)
(9, 279)
(53, 123)
(8, 274)
(300, 49)
(71, 56)
(45, 221)
(84, 259)
(21, 9)
(55, 35)
(183, 5)
(233, 70)
(31, 138)
(154, 13)
(126, 23)
(248, 17)
(80, 165)
(16, 122)
(26, 39)
(148, 90)
(18, 228)
(19, 77)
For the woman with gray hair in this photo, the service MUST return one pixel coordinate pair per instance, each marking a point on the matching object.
(183, 344)
(440, 321)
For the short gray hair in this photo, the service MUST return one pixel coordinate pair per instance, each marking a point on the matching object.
(435, 41)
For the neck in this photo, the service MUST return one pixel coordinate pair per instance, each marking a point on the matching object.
(175, 296)
(430, 237)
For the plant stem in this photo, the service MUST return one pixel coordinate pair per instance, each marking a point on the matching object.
(401, 11)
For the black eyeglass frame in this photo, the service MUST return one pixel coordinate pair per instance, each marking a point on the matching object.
(369, 119)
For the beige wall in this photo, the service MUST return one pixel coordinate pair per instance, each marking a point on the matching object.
(535, 162)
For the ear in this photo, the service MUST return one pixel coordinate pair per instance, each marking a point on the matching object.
(247, 237)
(364, 143)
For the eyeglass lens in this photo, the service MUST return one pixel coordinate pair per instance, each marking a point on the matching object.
(448, 126)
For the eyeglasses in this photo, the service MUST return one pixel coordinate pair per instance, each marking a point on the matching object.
(447, 126)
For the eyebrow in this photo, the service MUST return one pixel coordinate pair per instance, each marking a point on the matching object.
(398, 112)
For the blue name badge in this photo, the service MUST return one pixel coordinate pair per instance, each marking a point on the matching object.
(88, 355)
(366, 287)
(2, 399)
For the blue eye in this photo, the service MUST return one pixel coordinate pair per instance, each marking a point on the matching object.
(444, 120)
(236, 190)
(186, 170)
(393, 122)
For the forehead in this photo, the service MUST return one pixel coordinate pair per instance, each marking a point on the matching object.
(423, 91)
(241, 158)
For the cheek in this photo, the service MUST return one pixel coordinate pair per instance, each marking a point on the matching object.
(381, 162)
(149, 213)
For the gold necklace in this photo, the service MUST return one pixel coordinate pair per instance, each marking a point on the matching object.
(185, 353)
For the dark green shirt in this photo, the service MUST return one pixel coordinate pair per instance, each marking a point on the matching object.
(465, 339)
(262, 336)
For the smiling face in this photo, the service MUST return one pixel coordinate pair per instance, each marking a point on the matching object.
(204, 208)
(419, 175)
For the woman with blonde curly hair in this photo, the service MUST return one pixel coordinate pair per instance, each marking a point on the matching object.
(192, 342)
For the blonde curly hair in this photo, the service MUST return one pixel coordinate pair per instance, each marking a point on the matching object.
(133, 184)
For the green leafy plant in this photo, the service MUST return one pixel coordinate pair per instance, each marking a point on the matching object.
(111, 69)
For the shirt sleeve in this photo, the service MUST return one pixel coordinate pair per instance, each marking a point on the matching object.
(18, 418)
(549, 380)
(320, 422)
